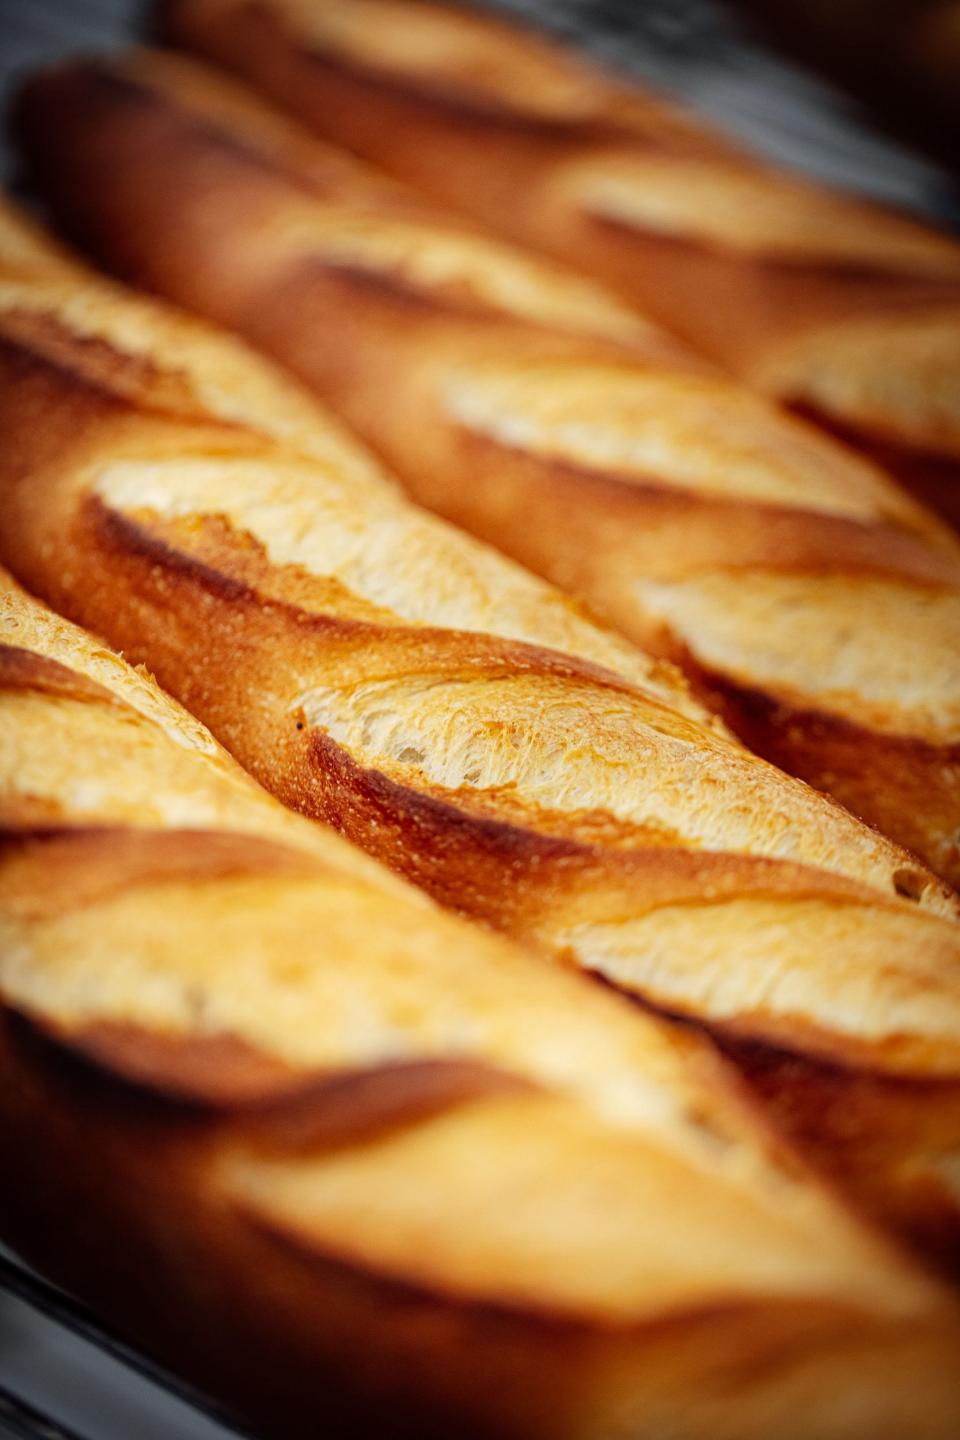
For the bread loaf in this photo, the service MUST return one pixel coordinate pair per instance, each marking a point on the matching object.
(336, 1154)
(809, 600)
(847, 311)
(380, 671)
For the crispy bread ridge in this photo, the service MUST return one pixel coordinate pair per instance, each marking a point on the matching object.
(328, 1150)
(808, 599)
(348, 650)
(834, 304)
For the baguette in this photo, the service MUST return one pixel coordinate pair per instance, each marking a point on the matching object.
(848, 311)
(380, 671)
(808, 599)
(260, 1068)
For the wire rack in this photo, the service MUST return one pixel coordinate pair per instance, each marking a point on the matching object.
(63, 1374)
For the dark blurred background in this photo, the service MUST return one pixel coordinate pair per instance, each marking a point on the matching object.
(730, 58)
(901, 57)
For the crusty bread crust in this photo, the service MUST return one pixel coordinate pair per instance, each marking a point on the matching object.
(381, 672)
(349, 1162)
(809, 600)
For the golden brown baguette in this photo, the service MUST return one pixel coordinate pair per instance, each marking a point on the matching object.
(807, 598)
(329, 1150)
(378, 670)
(848, 311)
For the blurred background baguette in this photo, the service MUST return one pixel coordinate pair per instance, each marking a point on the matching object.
(842, 309)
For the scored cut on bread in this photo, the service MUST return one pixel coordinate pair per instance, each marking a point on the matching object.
(381, 671)
(331, 1151)
(808, 598)
(842, 308)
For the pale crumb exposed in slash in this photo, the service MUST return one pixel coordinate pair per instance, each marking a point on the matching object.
(380, 548)
(874, 650)
(895, 374)
(219, 374)
(135, 757)
(691, 433)
(26, 623)
(445, 262)
(461, 51)
(749, 209)
(562, 746)
(809, 962)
